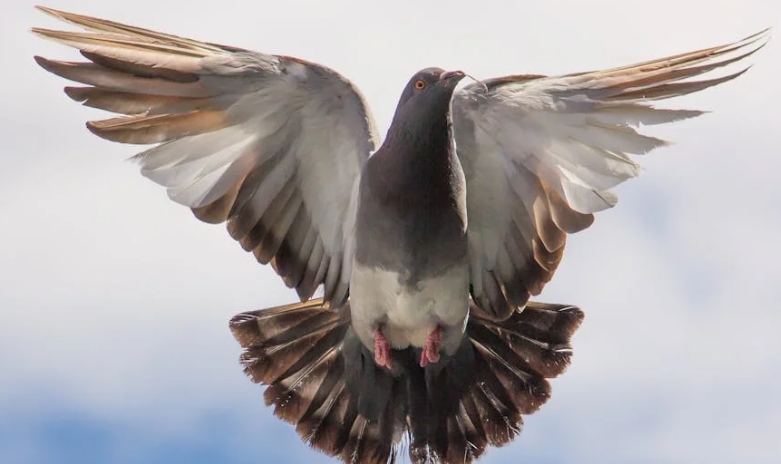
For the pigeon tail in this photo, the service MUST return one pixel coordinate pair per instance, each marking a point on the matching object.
(323, 380)
(476, 397)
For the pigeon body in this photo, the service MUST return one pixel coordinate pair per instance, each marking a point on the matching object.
(427, 246)
(410, 274)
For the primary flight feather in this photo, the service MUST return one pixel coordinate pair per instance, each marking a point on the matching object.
(428, 245)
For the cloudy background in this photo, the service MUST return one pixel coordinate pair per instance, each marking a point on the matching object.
(114, 301)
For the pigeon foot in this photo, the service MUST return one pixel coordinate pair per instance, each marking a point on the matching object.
(430, 353)
(382, 349)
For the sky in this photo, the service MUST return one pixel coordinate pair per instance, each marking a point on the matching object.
(114, 301)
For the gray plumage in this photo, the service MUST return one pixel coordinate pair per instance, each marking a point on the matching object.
(412, 201)
(427, 246)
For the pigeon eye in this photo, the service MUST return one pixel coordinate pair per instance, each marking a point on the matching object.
(420, 84)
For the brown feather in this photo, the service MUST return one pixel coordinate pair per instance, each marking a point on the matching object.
(300, 240)
(296, 350)
(132, 104)
(104, 25)
(315, 271)
(123, 47)
(99, 76)
(685, 58)
(551, 236)
(675, 74)
(271, 243)
(304, 346)
(547, 260)
(293, 393)
(328, 429)
(268, 220)
(245, 213)
(478, 438)
(564, 217)
(661, 92)
(217, 211)
(158, 65)
(142, 129)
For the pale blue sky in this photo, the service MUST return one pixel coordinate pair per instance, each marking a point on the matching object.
(114, 345)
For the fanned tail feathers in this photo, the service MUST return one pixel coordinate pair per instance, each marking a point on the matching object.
(297, 351)
(324, 382)
(499, 375)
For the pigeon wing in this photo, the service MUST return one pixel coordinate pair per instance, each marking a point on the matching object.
(272, 145)
(540, 155)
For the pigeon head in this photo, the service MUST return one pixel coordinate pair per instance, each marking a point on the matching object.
(430, 85)
(426, 99)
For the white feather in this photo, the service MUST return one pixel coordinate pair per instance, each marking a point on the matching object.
(521, 139)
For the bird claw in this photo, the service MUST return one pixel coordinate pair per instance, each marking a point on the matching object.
(382, 350)
(430, 352)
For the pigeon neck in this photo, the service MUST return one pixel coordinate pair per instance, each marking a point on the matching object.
(417, 165)
(420, 141)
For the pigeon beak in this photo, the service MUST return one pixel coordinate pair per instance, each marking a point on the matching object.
(447, 75)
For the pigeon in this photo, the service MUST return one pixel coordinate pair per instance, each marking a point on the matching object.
(427, 245)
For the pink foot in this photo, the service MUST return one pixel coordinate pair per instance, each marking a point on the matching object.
(430, 353)
(382, 350)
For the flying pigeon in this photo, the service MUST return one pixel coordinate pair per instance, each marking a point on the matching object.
(427, 245)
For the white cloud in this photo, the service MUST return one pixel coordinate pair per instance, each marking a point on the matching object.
(115, 301)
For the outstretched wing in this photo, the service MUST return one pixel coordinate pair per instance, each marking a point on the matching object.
(540, 155)
(273, 145)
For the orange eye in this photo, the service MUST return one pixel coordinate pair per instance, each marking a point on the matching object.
(420, 84)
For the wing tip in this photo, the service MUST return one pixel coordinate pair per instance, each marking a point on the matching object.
(46, 9)
(762, 36)
(103, 129)
(59, 14)
(76, 94)
(92, 127)
(44, 62)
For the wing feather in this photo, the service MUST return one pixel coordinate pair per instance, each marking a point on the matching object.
(272, 145)
(540, 155)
